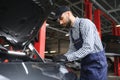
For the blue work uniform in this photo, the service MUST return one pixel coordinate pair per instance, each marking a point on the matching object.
(85, 44)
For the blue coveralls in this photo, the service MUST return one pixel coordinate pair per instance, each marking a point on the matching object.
(93, 66)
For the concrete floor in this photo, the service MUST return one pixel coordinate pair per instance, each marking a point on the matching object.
(111, 76)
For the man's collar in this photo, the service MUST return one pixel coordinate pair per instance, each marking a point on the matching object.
(75, 22)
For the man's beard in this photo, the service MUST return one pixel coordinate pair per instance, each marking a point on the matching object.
(68, 25)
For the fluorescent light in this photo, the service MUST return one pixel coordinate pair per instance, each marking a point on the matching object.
(47, 24)
(117, 25)
(46, 52)
(67, 34)
(50, 52)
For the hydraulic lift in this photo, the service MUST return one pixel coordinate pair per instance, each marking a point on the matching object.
(40, 43)
(115, 30)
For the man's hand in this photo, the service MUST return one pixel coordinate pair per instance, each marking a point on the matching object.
(59, 58)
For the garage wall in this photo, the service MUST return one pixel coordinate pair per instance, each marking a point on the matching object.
(58, 45)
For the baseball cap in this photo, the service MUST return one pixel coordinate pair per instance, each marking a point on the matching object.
(60, 10)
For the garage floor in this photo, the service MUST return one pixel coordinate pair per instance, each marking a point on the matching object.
(111, 76)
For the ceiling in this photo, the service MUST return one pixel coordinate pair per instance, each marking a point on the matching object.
(111, 8)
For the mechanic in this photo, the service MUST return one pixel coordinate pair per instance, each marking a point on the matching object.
(85, 45)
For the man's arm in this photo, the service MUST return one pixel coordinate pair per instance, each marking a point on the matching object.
(87, 31)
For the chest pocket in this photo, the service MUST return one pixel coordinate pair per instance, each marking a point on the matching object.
(77, 42)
